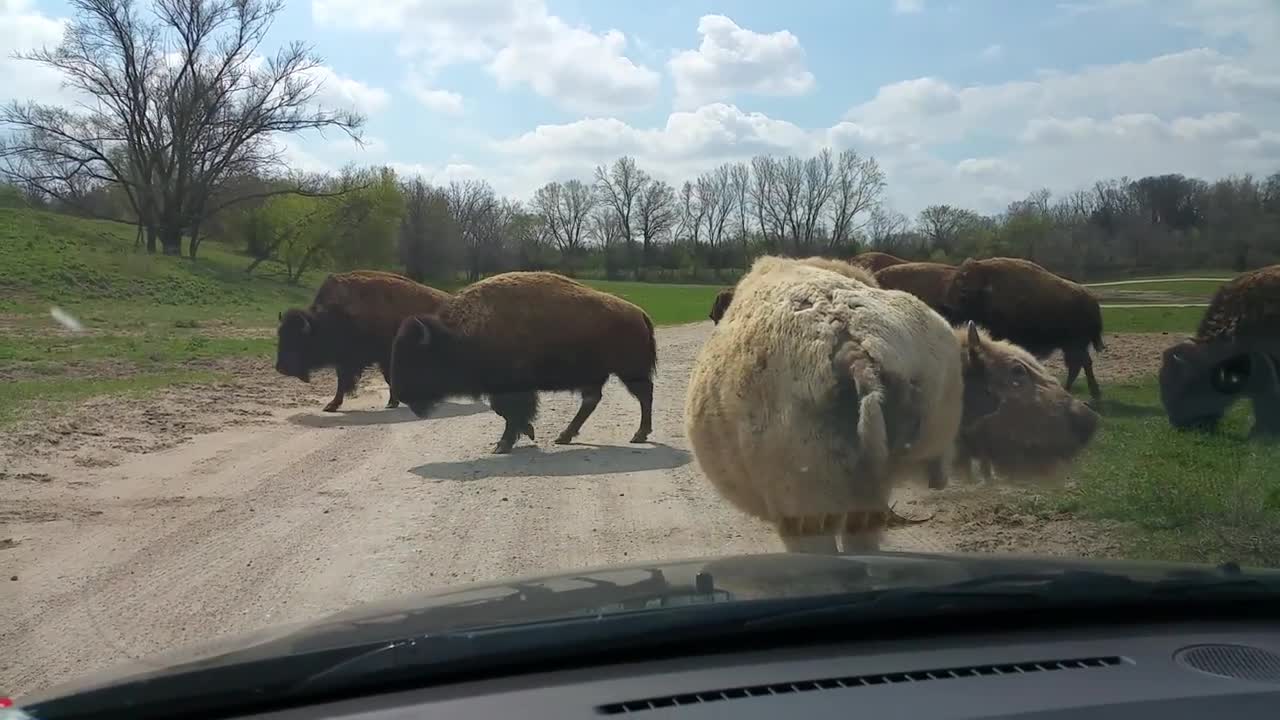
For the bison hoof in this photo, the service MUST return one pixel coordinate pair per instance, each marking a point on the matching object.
(564, 439)
(640, 437)
(502, 448)
(392, 404)
(331, 407)
(937, 483)
(528, 432)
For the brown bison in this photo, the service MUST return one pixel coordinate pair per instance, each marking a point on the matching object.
(1232, 355)
(515, 334)
(350, 326)
(721, 304)
(875, 261)
(1018, 420)
(725, 297)
(1019, 301)
(928, 281)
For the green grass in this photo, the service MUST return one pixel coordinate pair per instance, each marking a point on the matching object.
(1186, 496)
(1151, 320)
(18, 398)
(1203, 289)
(666, 304)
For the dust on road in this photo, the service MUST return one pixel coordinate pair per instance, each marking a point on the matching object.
(134, 526)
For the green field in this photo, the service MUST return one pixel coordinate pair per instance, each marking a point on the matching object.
(1186, 496)
(1177, 320)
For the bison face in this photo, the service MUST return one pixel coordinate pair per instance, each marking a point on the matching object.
(300, 348)
(1200, 380)
(1016, 413)
(419, 363)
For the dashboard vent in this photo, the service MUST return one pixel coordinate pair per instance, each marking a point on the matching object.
(855, 681)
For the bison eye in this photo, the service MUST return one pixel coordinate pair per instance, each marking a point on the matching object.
(1229, 377)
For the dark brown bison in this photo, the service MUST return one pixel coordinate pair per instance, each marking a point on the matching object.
(512, 335)
(1018, 420)
(721, 304)
(928, 281)
(349, 327)
(1232, 355)
(875, 261)
(1020, 301)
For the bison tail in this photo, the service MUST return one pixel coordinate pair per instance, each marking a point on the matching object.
(873, 436)
(653, 346)
(1097, 342)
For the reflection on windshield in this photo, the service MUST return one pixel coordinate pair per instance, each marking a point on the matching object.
(290, 332)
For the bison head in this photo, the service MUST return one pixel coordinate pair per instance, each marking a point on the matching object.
(300, 347)
(1199, 381)
(1015, 413)
(419, 360)
(721, 304)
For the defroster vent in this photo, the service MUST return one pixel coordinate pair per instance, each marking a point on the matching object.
(856, 681)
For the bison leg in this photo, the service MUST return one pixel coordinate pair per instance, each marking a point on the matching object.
(347, 379)
(643, 391)
(937, 474)
(590, 399)
(392, 400)
(862, 532)
(1075, 359)
(808, 535)
(518, 409)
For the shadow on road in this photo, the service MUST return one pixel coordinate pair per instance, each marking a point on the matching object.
(532, 461)
(352, 418)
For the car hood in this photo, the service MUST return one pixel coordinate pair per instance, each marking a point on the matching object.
(600, 591)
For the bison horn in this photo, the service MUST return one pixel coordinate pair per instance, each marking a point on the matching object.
(279, 316)
(426, 332)
(306, 326)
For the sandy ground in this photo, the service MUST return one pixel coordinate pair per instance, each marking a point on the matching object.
(132, 526)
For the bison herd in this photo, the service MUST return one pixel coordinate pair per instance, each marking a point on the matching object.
(824, 383)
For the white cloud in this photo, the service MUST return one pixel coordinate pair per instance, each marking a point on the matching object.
(903, 7)
(992, 52)
(438, 174)
(336, 91)
(24, 29)
(434, 99)
(732, 59)
(520, 42)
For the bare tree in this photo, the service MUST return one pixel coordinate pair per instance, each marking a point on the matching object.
(689, 214)
(885, 229)
(770, 215)
(788, 189)
(655, 214)
(565, 208)
(620, 187)
(471, 202)
(815, 191)
(740, 192)
(858, 188)
(712, 191)
(174, 106)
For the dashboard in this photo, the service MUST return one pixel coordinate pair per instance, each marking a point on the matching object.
(1166, 671)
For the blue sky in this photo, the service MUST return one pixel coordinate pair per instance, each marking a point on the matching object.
(971, 102)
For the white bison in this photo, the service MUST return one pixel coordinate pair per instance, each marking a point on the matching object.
(816, 393)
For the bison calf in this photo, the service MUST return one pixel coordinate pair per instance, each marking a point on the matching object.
(349, 327)
(820, 394)
(1233, 355)
(512, 335)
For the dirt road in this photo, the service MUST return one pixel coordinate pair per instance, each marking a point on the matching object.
(114, 545)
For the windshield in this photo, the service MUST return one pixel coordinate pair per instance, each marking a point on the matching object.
(309, 305)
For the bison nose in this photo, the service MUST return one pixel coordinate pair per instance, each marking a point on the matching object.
(1084, 422)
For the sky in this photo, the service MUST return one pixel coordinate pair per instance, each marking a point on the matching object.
(968, 102)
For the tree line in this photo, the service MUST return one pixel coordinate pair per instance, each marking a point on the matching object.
(184, 137)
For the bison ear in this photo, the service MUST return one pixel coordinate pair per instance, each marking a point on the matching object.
(975, 342)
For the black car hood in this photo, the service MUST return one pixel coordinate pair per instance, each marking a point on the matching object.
(603, 591)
